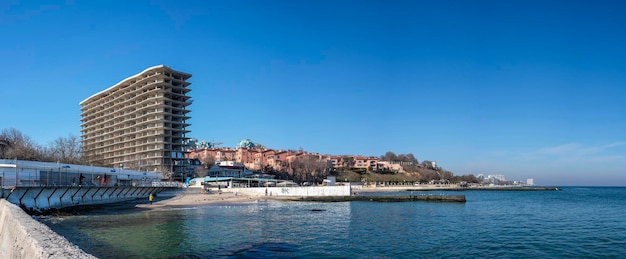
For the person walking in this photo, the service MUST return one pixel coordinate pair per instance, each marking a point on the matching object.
(150, 198)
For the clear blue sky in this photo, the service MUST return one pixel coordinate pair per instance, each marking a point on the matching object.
(528, 89)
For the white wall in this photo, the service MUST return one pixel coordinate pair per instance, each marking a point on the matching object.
(295, 191)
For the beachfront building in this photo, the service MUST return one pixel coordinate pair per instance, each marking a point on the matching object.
(262, 159)
(139, 123)
(228, 169)
(384, 165)
(21, 173)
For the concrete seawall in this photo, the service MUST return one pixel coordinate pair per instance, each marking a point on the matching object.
(39, 199)
(308, 191)
(21, 236)
(336, 194)
(425, 187)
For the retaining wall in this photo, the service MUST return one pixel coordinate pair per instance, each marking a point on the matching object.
(40, 199)
(21, 236)
(310, 191)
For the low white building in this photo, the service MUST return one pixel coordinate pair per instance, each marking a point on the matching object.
(228, 169)
(35, 173)
(329, 181)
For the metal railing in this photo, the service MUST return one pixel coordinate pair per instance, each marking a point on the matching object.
(168, 184)
(65, 176)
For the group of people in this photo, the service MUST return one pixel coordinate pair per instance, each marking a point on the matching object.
(81, 177)
(103, 179)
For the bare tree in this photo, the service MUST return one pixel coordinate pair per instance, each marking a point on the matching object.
(347, 162)
(66, 150)
(4, 145)
(428, 164)
(200, 171)
(96, 160)
(18, 146)
(411, 158)
(207, 161)
(309, 169)
(389, 156)
(392, 157)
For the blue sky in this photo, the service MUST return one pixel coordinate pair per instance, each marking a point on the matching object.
(528, 89)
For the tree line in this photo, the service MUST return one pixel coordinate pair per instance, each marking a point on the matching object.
(309, 168)
(16, 145)
(392, 157)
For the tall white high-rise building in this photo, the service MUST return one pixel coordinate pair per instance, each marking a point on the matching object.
(139, 123)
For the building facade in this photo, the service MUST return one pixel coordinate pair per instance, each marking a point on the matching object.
(261, 159)
(139, 123)
(228, 169)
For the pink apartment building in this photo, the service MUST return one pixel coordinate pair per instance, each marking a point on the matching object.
(261, 158)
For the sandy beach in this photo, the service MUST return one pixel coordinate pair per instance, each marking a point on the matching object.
(193, 197)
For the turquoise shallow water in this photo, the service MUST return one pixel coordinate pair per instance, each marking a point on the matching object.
(575, 222)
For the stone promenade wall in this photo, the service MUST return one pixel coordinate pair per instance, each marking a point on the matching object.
(21, 236)
(309, 191)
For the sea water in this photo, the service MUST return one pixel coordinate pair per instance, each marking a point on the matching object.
(574, 222)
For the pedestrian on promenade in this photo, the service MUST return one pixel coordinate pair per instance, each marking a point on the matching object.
(150, 198)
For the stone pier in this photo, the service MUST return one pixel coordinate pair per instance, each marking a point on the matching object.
(21, 236)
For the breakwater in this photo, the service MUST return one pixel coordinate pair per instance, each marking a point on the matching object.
(338, 194)
(424, 188)
(23, 237)
(406, 198)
